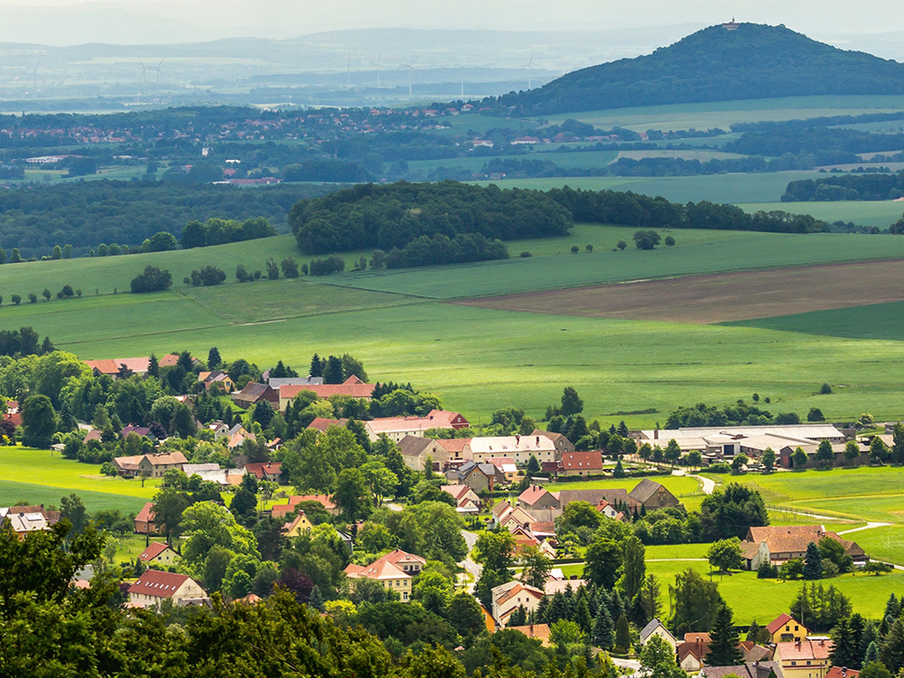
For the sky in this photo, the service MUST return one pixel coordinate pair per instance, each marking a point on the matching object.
(150, 21)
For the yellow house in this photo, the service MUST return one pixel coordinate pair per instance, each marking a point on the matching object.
(806, 659)
(395, 570)
(158, 553)
(155, 586)
(785, 629)
(301, 525)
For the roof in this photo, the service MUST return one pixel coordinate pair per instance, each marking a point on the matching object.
(592, 461)
(453, 445)
(166, 458)
(399, 556)
(505, 596)
(842, 672)
(158, 583)
(779, 622)
(435, 419)
(457, 491)
(352, 387)
(505, 444)
(323, 499)
(538, 631)
(252, 391)
(322, 424)
(653, 624)
(644, 490)
(794, 538)
(532, 495)
(413, 446)
(807, 649)
(614, 496)
(380, 570)
(154, 549)
(146, 514)
(270, 468)
(749, 669)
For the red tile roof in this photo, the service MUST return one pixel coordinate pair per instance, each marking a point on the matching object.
(779, 622)
(146, 514)
(353, 387)
(322, 424)
(582, 461)
(808, 649)
(158, 583)
(154, 549)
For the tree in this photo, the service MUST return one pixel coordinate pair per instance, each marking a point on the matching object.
(723, 647)
(622, 635)
(799, 458)
(621, 245)
(649, 598)
(602, 562)
(289, 267)
(603, 629)
(891, 651)
(533, 466)
(792, 569)
(46, 294)
(672, 452)
(39, 421)
(16, 299)
(73, 510)
(878, 450)
(151, 280)
(875, 669)
(536, 567)
(272, 268)
(697, 602)
(634, 567)
(845, 646)
(646, 239)
(726, 555)
(571, 403)
(730, 512)
(669, 241)
(768, 459)
(824, 453)
(352, 496)
(815, 414)
(738, 464)
(897, 448)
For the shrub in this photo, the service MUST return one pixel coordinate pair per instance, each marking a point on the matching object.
(826, 389)
(32, 298)
(525, 255)
(289, 267)
(669, 241)
(720, 467)
(575, 249)
(16, 299)
(588, 248)
(622, 244)
(207, 276)
(332, 264)
(242, 274)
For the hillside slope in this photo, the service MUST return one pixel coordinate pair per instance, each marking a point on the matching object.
(752, 62)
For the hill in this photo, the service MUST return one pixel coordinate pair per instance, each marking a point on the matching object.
(752, 62)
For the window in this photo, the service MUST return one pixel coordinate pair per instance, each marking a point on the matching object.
(793, 663)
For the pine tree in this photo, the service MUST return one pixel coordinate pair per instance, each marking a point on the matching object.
(623, 429)
(892, 651)
(518, 617)
(316, 599)
(213, 358)
(316, 366)
(892, 607)
(581, 615)
(812, 562)
(153, 366)
(616, 606)
(619, 471)
(872, 653)
(724, 638)
(622, 635)
(558, 609)
(844, 647)
(603, 629)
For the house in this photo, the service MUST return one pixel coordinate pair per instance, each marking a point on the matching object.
(218, 378)
(561, 443)
(537, 631)
(466, 500)
(754, 669)
(781, 543)
(152, 465)
(396, 571)
(416, 451)
(172, 359)
(842, 672)
(265, 470)
(609, 510)
(144, 521)
(505, 466)
(454, 446)
(220, 429)
(692, 652)
(211, 472)
(520, 448)
(657, 628)
(155, 586)
(510, 596)
(488, 620)
(238, 435)
(806, 659)
(24, 522)
(352, 387)
(535, 498)
(322, 499)
(581, 463)
(253, 393)
(396, 428)
(786, 629)
(298, 526)
(479, 477)
(158, 553)
(653, 495)
(113, 368)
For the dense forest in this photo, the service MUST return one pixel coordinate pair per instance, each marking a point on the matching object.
(37, 219)
(391, 216)
(868, 186)
(752, 62)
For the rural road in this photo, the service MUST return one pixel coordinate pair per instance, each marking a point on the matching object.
(868, 526)
(470, 566)
(707, 485)
(626, 664)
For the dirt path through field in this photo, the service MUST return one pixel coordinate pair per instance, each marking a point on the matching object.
(722, 297)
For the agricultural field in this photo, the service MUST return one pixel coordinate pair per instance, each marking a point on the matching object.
(878, 213)
(702, 299)
(54, 477)
(875, 321)
(686, 489)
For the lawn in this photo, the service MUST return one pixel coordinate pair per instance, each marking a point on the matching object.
(687, 490)
(52, 477)
(883, 543)
(863, 493)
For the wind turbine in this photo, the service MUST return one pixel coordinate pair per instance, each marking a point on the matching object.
(529, 64)
(461, 76)
(35, 76)
(410, 67)
(157, 68)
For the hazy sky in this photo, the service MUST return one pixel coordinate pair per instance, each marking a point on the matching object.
(288, 18)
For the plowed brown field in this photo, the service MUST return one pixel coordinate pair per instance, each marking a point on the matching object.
(723, 297)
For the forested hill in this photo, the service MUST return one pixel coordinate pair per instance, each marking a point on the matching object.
(752, 62)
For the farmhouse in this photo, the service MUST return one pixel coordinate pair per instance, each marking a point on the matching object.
(693, 651)
(754, 669)
(416, 451)
(396, 428)
(155, 586)
(510, 596)
(520, 448)
(253, 393)
(806, 659)
(25, 519)
(561, 443)
(218, 378)
(153, 465)
(395, 571)
(466, 501)
(656, 628)
(479, 477)
(581, 463)
(653, 495)
(144, 521)
(265, 470)
(352, 387)
(786, 629)
(781, 543)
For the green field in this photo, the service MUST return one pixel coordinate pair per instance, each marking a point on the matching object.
(686, 489)
(55, 477)
(876, 321)
(723, 114)
(879, 213)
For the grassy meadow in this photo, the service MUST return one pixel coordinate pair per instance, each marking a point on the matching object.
(875, 321)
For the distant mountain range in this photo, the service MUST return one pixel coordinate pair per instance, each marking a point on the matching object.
(719, 63)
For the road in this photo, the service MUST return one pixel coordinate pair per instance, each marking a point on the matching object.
(471, 568)
(868, 526)
(707, 484)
